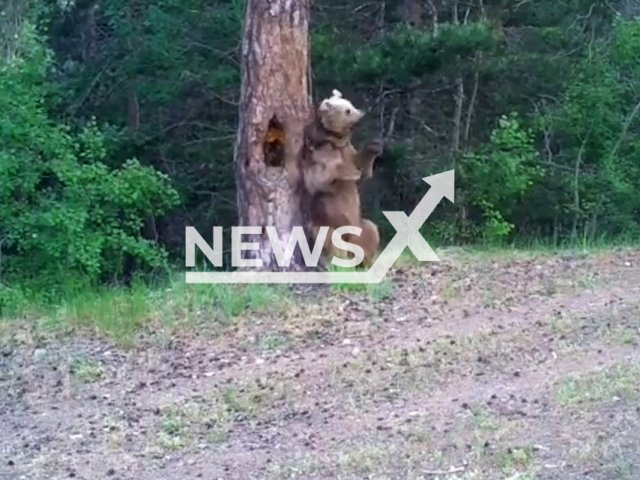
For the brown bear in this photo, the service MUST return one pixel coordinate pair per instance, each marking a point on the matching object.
(339, 210)
(329, 153)
(333, 167)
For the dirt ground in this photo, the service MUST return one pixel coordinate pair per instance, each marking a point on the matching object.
(519, 366)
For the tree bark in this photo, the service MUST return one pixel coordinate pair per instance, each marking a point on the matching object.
(274, 107)
(472, 101)
(458, 94)
(133, 105)
(412, 13)
(88, 31)
(10, 29)
(457, 116)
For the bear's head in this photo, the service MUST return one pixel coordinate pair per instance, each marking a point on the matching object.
(338, 115)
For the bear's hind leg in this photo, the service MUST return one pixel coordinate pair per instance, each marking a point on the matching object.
(368, 240)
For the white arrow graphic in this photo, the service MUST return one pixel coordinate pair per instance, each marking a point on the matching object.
(407, 235)
(408, 228)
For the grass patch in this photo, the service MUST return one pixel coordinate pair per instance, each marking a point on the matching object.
(347, 287)
(117, 312)
(121, 313)
(482, 420)
(225, 303)
(515, 459)
(246, 402)
(182, 425)
(624, 469)
(617, 381)
(451, 290)
(301, 466)
(377, 292)
(380, 292)
(174, 431)
(87, 371)
(365, 459)
(273, 341)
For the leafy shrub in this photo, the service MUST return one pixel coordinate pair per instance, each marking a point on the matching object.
(63, 212)
(499, 174)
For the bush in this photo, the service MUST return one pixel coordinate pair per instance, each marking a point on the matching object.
(499, 175)
(63, 212)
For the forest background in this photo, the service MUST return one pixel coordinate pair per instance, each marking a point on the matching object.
(118, 120)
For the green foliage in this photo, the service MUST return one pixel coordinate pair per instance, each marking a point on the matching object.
(568, 169)
(63, 212)
(595, 166)
(400, 55)
(122, 313)
(498, 176)
(87, 122)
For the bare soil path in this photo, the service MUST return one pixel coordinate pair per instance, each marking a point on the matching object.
(522, 366)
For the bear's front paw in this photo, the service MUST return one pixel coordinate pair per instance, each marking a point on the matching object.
(375, 147)
(348, 172)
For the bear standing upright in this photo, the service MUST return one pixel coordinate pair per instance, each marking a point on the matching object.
(332, 168)
(330, 153)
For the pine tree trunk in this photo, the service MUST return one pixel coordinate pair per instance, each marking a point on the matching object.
(10, 29)
(458, 95)
(413, 16)
(274, 107)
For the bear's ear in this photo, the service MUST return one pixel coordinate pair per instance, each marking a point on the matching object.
(325, 106)
(336, 94)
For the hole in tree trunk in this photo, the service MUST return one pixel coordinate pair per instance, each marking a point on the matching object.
(273, 145)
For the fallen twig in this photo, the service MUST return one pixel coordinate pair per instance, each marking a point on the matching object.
(514, 477)
(444, 472)
(542, 447)
(351, 299)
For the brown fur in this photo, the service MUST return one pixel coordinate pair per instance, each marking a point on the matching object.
(368, 240)
(329, 153)
(317, 135)
(328, 164)
(331, 170)
(324, 155)
(341, 207)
